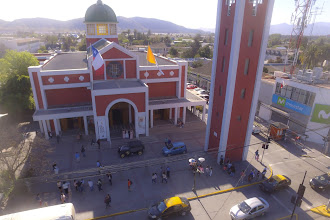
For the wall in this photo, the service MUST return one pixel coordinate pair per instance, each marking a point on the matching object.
(164, 89)
(68, 97)
(266, 92)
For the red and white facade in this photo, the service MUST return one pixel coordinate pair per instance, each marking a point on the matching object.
(66, 87)
(240, 44)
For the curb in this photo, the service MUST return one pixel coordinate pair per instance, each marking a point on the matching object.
(190, 199)
(321, 210)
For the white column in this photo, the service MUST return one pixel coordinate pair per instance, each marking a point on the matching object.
(86, 125)
(193, 109)
(170, 117)
(41, 127)
(175, 115)
(151, 118)
(56, 127)
(45, 126)
(184, 115)
(203, 115)
(59, 125)
(48, 125)
(129, 113)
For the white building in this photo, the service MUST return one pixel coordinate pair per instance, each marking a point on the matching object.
(31, 45)
(303, 103)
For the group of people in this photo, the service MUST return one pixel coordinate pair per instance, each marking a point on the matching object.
(165, 174)
(127, 134)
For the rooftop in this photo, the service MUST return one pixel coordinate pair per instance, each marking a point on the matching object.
(64, 61)
(117, 84)
(143, 61)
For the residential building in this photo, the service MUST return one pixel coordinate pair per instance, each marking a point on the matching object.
(31, 45)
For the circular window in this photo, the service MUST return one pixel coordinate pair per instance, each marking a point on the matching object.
(114, 69)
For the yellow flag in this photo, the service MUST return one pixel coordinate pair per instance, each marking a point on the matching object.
(150, 56)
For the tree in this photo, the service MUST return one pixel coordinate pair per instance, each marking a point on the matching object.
(173, 52)
(265, 70)
(205, 52)
(42, 49)
(196, 45)
(274, 39)
(15, 90)
(167, 41)
(82, 44)
(149, 33)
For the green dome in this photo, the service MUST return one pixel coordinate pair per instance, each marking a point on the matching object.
(100, 12)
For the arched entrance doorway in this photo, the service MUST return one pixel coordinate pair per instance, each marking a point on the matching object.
(121, 115)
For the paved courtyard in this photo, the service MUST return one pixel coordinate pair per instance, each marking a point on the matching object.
(284, 159)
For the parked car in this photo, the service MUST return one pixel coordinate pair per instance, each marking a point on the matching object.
(197, 89)
(205, 96)
(174, 148)
(169, 207)
(321, 182)
(191, 87)
(256, 129)
(275, 183)
(132, 147)
(249, 209)
(202, 92)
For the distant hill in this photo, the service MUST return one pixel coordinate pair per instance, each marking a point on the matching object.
(320, 28)
(77, 25)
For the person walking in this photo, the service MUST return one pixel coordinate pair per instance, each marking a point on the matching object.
(154, 178)
(164, 177)
(211, 171)
(99, 185)
(38, 198)
(256, 155)
(83, 151)
(99, 143)
(107, 201)
(168, 171)
(59, 185)
(82, 184)
(77, 156)
(63, 198)
(91, 185)
(129, 184)
(109, 176)
(258, 175)
(65, 186)
(221, 160)
(207, 171)
(75, 184)
(263, 173)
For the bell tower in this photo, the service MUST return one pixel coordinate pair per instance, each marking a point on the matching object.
(101, 22)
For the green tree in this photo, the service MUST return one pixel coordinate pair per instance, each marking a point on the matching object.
(43, 49)
(205, 52)
(82, 44)
(274, 39)
(196, 45)
(173, 52)
(15, 90)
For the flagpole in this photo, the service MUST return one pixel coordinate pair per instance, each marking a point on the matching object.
(92, 81)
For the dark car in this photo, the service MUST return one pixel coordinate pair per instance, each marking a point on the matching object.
(169, 207)
(275, 183)
(321, 182)
(174, 148)
(133, 147)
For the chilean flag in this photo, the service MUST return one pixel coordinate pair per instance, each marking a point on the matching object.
(98, 62)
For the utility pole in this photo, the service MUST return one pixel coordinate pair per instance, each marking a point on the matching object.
(265, 146)
(300, 193)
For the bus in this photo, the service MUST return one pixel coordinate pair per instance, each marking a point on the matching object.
(57, 212)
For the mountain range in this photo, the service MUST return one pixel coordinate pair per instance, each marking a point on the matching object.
(44, 25)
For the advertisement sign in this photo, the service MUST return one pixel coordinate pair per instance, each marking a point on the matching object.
(141, 129)
(295, 106)
(321, 114)
(101, 128)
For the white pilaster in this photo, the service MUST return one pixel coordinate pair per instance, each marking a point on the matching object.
(170, 116)
(56, 127)
(45, 126)
(184, 115)
(41, 127)
(151, 118)
(175, 115)
(203, 115)
(59, 124)
(85, 125)
(48, 126)
(129, 113)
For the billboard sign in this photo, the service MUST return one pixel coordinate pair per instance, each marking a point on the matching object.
(295, 106)
(321, 114)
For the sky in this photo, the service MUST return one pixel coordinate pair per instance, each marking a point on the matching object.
(188, 13)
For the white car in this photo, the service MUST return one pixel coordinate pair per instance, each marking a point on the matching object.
(198, 89)
(202, 92)
(256, 130)
(249, 209)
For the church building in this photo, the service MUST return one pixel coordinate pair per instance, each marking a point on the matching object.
(129, 93)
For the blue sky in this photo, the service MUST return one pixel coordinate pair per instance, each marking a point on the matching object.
(188, 13)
